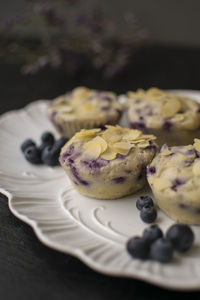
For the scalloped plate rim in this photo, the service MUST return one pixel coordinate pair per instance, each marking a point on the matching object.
(79, 253)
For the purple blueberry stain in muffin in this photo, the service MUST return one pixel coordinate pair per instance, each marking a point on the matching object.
(177, 183)
(183, 206)
(119, 180)
(167, 125)
(191, 152)
(95, 165)
(151, 146)
(121, 157)
(69, 151)
(140, 125)
(151, 170)
(105, 108)
(76, 175)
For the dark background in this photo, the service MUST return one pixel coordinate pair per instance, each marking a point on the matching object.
(29, 270)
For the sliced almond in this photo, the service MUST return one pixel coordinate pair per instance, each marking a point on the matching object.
(166, 152)
(171, 107)
(196, 168)
(143, 144)
(111, 135)
(131, 134)
(149, 136)
(122, 147)
(93, 147)
(102, 143)
(109, 154)
(87, 133)
(81, 92)
(161, 183)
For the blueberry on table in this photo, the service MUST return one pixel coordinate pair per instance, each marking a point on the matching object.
(181, 236)
(60, 143)
(27, 143)
(47, 138)
(50, 156)
(137, 247)
(32, 154)
(161, 250)
(148, 214)
(144, 200)
(152, 233)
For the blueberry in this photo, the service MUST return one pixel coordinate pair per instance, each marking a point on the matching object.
(148, 214)
(47, 138)
(50, 156)
(181, 236)
(142, 201)
(42, 146)
(60, 142)
(152, 233)
(32, 154)
(26, 144)
(161, 250)
(137, 247)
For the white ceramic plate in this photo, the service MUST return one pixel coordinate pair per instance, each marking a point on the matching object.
(95, 231)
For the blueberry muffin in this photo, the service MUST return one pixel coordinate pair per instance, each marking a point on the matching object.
(174, 119)
(108, 164)
(83, 108)
(174, 177)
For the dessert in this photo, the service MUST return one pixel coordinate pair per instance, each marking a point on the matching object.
(174, 177)
(108, 164)
(171, 118)
(83, 108)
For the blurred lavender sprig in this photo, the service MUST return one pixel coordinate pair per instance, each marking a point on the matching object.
(72, 33)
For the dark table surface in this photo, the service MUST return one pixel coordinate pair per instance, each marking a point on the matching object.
(28, 269)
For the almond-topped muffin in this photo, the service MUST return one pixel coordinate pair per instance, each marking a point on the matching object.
(174, 177)
(174, 119)
(108, 164)
(83, 108)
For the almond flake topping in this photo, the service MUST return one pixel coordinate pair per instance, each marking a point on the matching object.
(171, 107)
(114, 140)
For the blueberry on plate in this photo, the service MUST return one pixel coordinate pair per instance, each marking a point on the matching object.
(32, 154)
(60, 143)
(161, 250)
(50, 156)
(152, 233)
(47, 138)
(181, 236)
(148, 214)
(144, 200)
(27, 143)
(137, 247)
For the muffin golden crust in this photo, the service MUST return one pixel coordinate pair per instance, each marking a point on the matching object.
(108, 164)
(83, 109)
(172, 118)
(174, 177)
